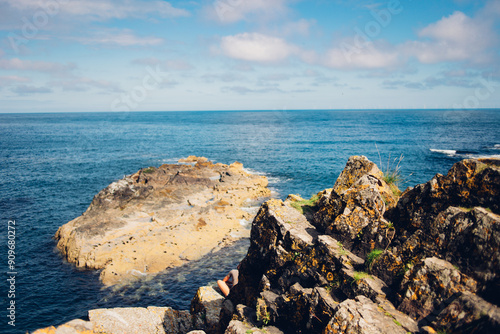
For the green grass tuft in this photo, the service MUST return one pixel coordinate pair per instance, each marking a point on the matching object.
(359, 275)
(372, 256)
(306, 205)
(148, 170)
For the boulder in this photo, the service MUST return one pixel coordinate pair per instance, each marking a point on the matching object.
(151, 320)
(161, 217)
(206, 307)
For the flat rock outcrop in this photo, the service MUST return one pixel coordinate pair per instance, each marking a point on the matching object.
(161, 217)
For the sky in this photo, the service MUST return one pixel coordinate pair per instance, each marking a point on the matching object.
(132, 55)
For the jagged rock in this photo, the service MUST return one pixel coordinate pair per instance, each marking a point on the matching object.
(469, 183)
(435, 249)
(354, 212)
(296, 278)
(361, 315)
(430, 283)
(160, 217)
(205, 308)
(356, 167)
(468, 238)
(468, 313)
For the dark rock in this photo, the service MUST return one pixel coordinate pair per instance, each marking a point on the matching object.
(354, 212)
(430, 283)
(469, 183)
(468, 313)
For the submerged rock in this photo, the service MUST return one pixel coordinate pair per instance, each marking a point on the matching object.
(161, 217)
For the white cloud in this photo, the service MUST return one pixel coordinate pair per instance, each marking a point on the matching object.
(453, 38)
(119, 37)
(38, 66)
(367, 56)
(230, 11)
(9, 79)
(456, 38)
(100, 9)
(257, 47)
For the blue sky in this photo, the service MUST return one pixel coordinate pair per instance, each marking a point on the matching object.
(131, 55)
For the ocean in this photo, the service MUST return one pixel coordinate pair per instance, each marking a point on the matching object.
(53, 164)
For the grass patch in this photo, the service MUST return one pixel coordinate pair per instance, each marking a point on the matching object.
(148, 170)
(306, 206)
(372, 256)
(263, 314)
(392, 174)
(359, 275)
(342, 249)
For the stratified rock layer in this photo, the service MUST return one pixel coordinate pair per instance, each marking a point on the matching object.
(161, 217)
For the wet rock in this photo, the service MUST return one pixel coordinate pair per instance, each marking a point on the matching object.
(161, 217)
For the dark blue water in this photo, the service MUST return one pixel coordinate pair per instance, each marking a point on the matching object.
(53, 164)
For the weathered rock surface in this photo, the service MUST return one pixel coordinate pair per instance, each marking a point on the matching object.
(319, 274)
(151, 320)
(206, 307)
(354, 211)
(161, 217)
(203, 318)
(361, 259)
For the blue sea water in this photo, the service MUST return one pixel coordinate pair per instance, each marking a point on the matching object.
(53, 164)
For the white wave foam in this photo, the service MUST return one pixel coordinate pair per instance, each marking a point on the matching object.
(483, 156)
(254, 172)
(496, 147)
(270, 179)
(447, 152)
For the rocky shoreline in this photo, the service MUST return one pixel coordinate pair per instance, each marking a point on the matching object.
(358, 258)
(160, 218)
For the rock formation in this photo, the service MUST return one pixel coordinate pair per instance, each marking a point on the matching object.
(151, 320)
(161, 217)
(364, 258)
